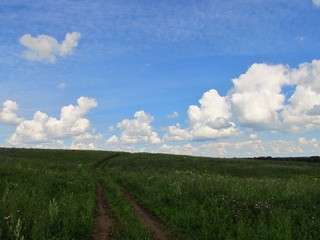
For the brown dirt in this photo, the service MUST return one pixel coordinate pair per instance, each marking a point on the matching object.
(150, 221)
(104, 222)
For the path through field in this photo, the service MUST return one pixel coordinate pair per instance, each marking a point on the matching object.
(105, 223)
(149, 220)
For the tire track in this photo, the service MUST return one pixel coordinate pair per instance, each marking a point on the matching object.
(149, 220)
(104, 222)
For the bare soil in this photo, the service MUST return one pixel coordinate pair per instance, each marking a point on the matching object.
(149, 220)
(104, 222)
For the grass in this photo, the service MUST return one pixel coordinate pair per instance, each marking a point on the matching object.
(46, 194)
(202, 198)
(50, 194)
(129, 226)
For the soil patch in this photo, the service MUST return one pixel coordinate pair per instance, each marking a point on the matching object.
(104, 222)
(149, 220)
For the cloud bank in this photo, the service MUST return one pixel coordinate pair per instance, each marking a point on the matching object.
(46, 49)
(43, 128)
(266, 98)
(259, 101)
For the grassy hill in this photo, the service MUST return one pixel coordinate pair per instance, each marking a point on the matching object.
(51, 194)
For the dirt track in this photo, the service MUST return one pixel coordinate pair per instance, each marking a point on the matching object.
(150, 221)
(105, 222)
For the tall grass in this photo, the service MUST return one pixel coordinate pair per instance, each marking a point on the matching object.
(50, 194)
(46, 194)
(129, 226)
(201, 198)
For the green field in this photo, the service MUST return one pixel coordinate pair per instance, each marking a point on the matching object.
(50, 194)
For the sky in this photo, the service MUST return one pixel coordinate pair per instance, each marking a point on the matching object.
(238, 78)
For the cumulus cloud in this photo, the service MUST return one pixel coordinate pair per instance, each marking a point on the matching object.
(212, 120)
(86, 141)
(137, 130)
(43, 128)
(303, 109)
(44, 48)
(176, 133)
(256, 96)
(8, 113)
(258, 100)
(316, 2)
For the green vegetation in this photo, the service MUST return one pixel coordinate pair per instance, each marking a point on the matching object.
(202, 198)
(129, 226)
(50, 194)
(46, 194)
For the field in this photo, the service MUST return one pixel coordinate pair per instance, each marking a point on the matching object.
(67, 194)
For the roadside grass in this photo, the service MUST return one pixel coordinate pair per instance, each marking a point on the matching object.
(46, 194)
(202, 198)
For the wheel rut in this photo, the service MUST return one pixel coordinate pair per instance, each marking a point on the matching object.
(149, 220)
(104, 222)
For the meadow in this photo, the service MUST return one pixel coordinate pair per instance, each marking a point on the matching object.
(46, 194)
(203, 198)
(51, 194)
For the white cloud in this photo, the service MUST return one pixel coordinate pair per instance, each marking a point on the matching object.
(173, 115)
(8, 113)
(112, 140)
(87, 137)
(31, 130)
(316, 2)
(44, 48)
(84, 146)
(256, 96)
(86, 141)
(314, 143)
(111, 129)
(258, 100)
(43, 128)
(253, 136)
(137, 130)
(69, 43)
(250, 148)
(211, 120)
(302, 112)
(176, 133)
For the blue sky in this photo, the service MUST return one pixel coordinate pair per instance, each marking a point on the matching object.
(211, 78)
